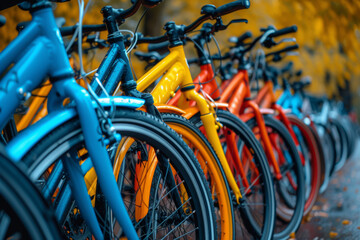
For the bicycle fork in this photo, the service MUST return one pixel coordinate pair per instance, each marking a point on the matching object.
(209, 122)
(94, 142)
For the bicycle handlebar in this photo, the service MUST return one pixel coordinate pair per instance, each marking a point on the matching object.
(271, 35)
(120, 15)
(210, 13)
(218, 12)
(231, 7)
(244, 36)
(283, 31)
(287, 49)
(155, 47)
(130, 11)
(70, 30)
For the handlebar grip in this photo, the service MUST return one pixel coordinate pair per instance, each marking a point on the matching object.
(244, 36)
(231, 7)
(150, 3)
(283, 31)
(290, 48)
(287, 49)
(158, 46)
(66, 31)
(2, 20)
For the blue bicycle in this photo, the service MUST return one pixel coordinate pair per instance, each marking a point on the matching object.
(90, 130)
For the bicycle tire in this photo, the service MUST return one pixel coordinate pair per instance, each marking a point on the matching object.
(234, 124)
(353, 131)
(289, 215)
(24, 214)
(314, 161)
(327, 143)
(209, 160)
(351, 135)
(145, 128)
(320, 151)
(344, 147)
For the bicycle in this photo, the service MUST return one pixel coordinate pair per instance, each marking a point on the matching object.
(301, 134)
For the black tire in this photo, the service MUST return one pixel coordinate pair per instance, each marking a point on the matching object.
(170, 119)
(312, 166)
(290, 202)
(145, 129)
(320, 150)
(24, 214)
(343, 144)
(251, 226)
(328, 145)
(350, 132)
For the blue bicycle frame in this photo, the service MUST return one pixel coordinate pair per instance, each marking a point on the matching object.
(291, 101)
(38, 53)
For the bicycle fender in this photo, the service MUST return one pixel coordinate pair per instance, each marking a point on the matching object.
(163, 108)
(145, 174)
(249, 115)
(189, 112)
(267, 111)
(29, 137)
(219, 105)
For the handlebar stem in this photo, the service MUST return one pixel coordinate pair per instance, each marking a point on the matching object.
(174, 33)
(109, 19)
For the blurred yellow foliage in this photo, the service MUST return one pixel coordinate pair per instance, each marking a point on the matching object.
(328, 32)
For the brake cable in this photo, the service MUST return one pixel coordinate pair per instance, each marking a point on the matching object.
(136, 28)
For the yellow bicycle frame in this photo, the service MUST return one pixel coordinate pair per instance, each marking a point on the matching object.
(177, 74)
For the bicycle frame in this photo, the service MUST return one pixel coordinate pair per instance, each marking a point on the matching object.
(41, 41)
(206, 75)
(266, 99)
(290, 101)
(178, 74)
(238, 95)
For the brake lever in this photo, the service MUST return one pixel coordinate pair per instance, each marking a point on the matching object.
(292, 53)
(220, 26)
(265, 35)
(241, 20)
(285, 40)
(278, 57)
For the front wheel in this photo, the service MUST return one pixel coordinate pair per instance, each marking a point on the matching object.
(178, 204)
(255, 215)
(290, 189)
(24, 214)
(212, 169)
(312, 168)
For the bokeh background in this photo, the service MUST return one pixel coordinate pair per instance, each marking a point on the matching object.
(328, 34)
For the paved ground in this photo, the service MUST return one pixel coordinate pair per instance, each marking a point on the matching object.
(336, 214)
